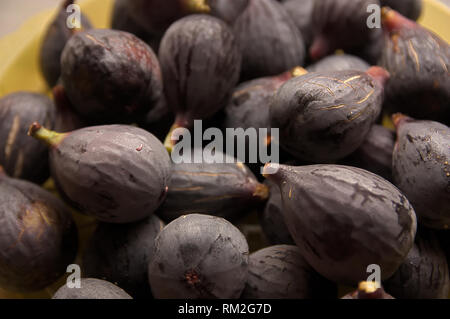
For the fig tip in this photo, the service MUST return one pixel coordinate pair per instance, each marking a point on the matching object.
(380, 74)
(368, 287)
(34, 128)
(298, 71)
(399, 118)
(261, 191)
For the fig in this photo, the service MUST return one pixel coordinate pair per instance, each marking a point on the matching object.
(325, 116)
(408, 8)
(421, 169)
(344, 24)
(272, 219)
(300, 12)
(199, 256)
(264, 31)
(375, 153)
(158, 121)
(280, 272)
(92, 288)
(110, 76)
(344, 219)
(227, 10)
(368, 290)
(66, 119)
(424, 274)
(20, 157)
(339, 62)
(227, 190)
(121, 254)
(116, 173)
(200, 61)
(38, 238)
(418, 61)
(55, 38)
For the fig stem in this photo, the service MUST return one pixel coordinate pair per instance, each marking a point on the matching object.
(198, 6)
(51, 138)
(261, 191)
(2, 172)
(298, 71)
(169, 142)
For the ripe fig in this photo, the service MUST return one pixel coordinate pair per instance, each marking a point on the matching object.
(199, 256)
(424, 274)
(344, 219)
(110, 75)
(408, 8)
(272, 219)
(421, 168)
(38, 238)
(343, 25)
(300, 12)
(227, 10)
(121, 254)
(56, 37)
(264, 31)
(200, 61)
(325, 116)
(66, 119)
(92, 288)
(281, 272)
(368, 290)
(375, 153)
(419, 62)
(116, 173)
(339, 62)
(21, 157)
(225, 190)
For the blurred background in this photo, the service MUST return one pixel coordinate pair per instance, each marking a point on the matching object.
(14, 12)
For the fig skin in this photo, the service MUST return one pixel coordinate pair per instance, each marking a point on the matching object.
(300, 12)
(280, 272)
(325, 116)
(84, 166)
(92, 288)
(225, 190)
(375, 153)
(368, 290)
(66, 119)
(344, 218)
(421, 168)
(121, 254)
(424, 274)
(264, 31)
(411, 9)
(199, 256)
(332, 22)
(271, 218)
(110, 76)
(339, 62)
(20, 156)
(418, 61)
(38, 236)
(227, 10)
(55, 39)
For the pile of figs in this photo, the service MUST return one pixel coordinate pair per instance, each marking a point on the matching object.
(356, 207)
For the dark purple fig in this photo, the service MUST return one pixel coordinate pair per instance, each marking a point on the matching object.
(339, 62)
(421, 168)
(155, 16)
(199, 256)
(121, 20)
(20, 156)
(110, 75)
(418, 61)
(158, 120)
(344, 219)
(411, 9)
(227, 10)
(56, 37)
(300, 12)
(66, 120)
(121, 254)
(375, 153)
(116, 173)
(200, 60)
(325, 116)
(424, 274)
(281, 272)
(269, 40)
(272, 219)
(368, 290)
(227, 190)
(343, 25)
(38, 238)
(92, 288)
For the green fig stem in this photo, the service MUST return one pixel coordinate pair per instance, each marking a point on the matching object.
(51, 138)
(169, 142)
(198, 6)
(298, 71)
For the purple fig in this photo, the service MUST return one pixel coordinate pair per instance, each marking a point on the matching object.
(92, 288)
(411, 9)
(339, 62)
(300, 12)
